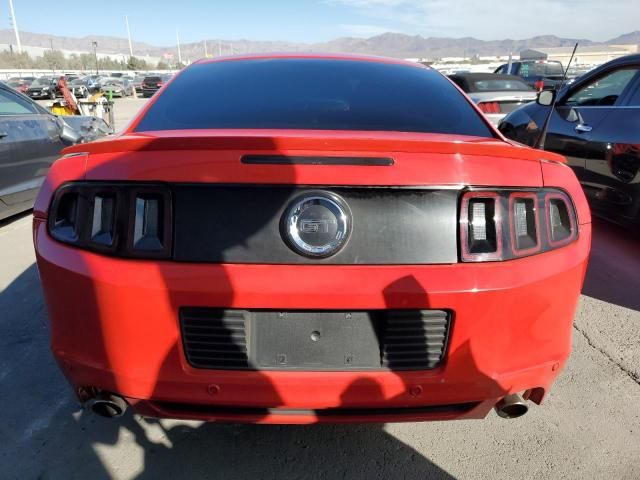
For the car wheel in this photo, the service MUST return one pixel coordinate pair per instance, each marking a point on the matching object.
(52, 95)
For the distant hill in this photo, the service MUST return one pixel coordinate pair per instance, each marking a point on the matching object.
(387, 44)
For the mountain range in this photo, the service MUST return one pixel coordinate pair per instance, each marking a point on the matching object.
(387, 44)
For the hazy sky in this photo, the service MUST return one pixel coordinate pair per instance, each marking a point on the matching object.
(155, 21)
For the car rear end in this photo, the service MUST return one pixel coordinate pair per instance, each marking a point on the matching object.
(151, 85)
(251, 268)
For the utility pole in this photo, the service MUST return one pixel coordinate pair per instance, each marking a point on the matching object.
(126, 19)
(51, 44)
(95, 53)
(15, 26)
(179, 53)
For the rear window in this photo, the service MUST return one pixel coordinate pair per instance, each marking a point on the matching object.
(152, 80)
(318, 94)
(541, 69)
(499, 85)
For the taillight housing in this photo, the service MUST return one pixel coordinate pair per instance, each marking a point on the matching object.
(489, 107)
(504, 224)
(122, 219)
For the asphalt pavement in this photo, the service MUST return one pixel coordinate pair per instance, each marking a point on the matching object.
(589, 427)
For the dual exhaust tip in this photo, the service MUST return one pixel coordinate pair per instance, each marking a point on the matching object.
(108, 405)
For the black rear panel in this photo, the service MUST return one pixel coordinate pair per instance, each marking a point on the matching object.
(314, 340)
(242, 224)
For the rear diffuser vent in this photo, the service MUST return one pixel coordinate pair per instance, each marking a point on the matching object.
(215, 339)
(414, 339)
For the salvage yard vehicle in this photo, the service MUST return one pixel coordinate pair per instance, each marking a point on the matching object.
(596, 125)
(496, 95)
(329, 238)
(30, 140)
(43, 87)
(152, 84)
(538, 74)
(118, 87)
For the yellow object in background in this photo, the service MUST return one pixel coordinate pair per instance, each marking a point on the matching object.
(58, 109)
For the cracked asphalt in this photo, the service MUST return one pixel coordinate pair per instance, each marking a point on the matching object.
(589, 427)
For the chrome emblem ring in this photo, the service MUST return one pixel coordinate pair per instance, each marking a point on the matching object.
(317, 224)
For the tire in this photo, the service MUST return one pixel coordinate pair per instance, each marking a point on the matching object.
(52, 95)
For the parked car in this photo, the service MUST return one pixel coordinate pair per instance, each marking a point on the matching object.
(495, 94)
(137, 84)
(330, 240)
(596, 125)
(30, 140)
(44, 87)
(119, 87)
(152, 84)
(20, 84)
(94, 83)
(538, 74)
(79, 87)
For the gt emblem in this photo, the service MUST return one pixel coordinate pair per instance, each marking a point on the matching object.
(316, 224)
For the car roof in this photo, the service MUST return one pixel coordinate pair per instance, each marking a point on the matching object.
(311, 55)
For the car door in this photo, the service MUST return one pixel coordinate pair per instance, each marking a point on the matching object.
(613, 153)
(581, 121)
(29, 143)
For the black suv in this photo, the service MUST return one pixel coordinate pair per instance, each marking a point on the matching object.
(152, 84)
(539, 74)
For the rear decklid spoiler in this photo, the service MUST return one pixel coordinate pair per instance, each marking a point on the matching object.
(216, 156)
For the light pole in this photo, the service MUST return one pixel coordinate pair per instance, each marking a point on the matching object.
(179, 53)
(126, 19)
(15, 26)
(95, 54)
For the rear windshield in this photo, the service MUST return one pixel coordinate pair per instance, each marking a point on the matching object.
(499, 85)
(541, 69)
(318, 94)
(152, 80)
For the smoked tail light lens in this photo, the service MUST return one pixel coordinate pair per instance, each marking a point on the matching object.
(498, 224)
(129, 220)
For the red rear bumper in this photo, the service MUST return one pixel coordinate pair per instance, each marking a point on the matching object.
(114, 325)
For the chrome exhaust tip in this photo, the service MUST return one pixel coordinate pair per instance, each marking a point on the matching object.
(107, 405)
(511, 406)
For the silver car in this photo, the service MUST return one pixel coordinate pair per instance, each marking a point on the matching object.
(119, 87)
(496, 95)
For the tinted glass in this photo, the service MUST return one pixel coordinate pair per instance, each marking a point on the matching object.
(540, 69)
(152, 80)
(499, 85)
(313, 94)
(13, 105)
(42, 82)
(603, 91)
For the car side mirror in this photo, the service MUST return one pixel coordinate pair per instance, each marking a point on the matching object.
(546, 98)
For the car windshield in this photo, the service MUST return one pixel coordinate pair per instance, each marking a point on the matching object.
(113, 81)
(78, 81)
(41, 82)
(499, 85)
(317, 94)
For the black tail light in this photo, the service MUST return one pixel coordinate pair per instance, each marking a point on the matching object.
(129, 220)
(505, 224)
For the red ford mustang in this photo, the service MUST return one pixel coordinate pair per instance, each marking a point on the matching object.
(325, 239)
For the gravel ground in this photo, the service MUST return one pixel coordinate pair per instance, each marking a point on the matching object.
(588, 428)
